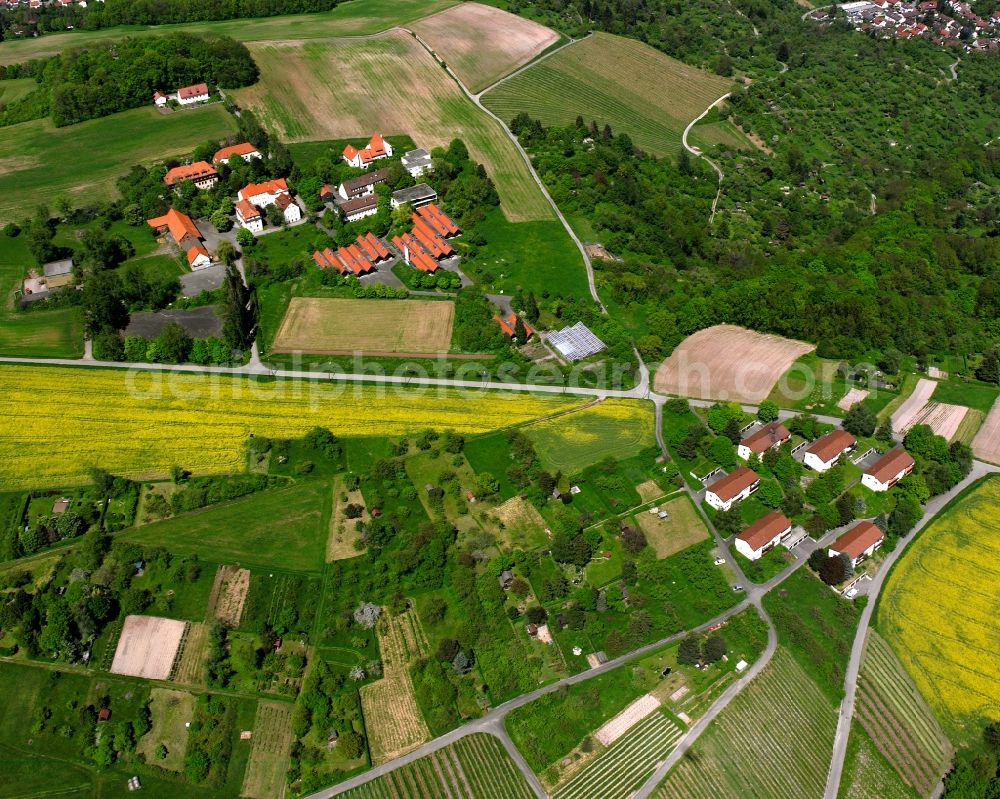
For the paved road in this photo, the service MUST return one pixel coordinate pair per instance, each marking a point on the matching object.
(933, 507)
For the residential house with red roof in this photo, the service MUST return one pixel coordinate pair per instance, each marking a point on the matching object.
(888, 470)
(376, 149)
(509, 325)
(824, 452)
(439, 220)
(858, 543)
(201, 173)
(733, 488)
(186, 235)
(770, 436)
(414, 253)
(359, 258)
(245, 150)
(249, 216)
(763, 535)
(189, 95)
(261, 195)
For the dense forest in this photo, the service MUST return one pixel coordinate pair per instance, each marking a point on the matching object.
(93, 82)
(24, 21)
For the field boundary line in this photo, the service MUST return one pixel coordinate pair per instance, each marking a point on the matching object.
(538, 59)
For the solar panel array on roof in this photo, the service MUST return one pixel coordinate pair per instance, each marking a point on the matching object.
(576, 342)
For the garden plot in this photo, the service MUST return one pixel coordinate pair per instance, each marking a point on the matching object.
(726, 362)
(682, 527)
(852, 397)
(272, 743)
(343, 535)
(905, 415)
(392, 718)
(482, 43)
(521, 524)
(986, 444)
(615, 728)
(170, 711)
(943, 419)
(148, 647)
(191, 664)
(898, 720)
(623, 767)
(229, 594)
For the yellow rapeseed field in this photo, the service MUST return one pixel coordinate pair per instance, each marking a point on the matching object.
(59, 422)
(940, 610)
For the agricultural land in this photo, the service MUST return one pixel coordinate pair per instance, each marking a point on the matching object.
(936, 611)
(481, 43)
(415, 96)
(329, 327)
(597, 78)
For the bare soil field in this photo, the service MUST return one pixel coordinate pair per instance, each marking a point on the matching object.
(986, 444)
(272, 742)
(170, 710)
(852, 397)
(649, 490)
(726, 362)
(392, 718)
(903, 417)
(340, 544)
(322, 326)
(483, 44)
(615, 728)
(322, 89)
(229, 593)
(942, 418)
(148, 647)
(191, 668)
(682, 527)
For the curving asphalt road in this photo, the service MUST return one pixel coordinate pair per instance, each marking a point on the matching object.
(846, 714)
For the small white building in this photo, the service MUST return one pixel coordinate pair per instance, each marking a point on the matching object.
(249, 216)
(770, 436)
(289, 208)
(414, 196)
(246, 151)
(198, 257)
(189, 95)
(763, 535)
(888, 470)
(417, 162)
(858, 543)
(824, 452)
(160, 99)
(732, 488)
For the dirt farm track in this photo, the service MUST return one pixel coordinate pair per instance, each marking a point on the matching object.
(318, 326)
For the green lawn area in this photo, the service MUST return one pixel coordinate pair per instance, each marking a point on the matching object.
(46, 334)
(764, 568)
(812, 384)
(305, 153)
(708, 134)
(535, 256)
(284, 528)
(43, 162)
(820, 639)
(975, 395)
(15, 89)
(491, 453)
(613, 428)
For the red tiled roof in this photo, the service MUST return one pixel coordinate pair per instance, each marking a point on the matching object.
(374, 149)
(278, 186)
(732, 484)
(247, 210)
(831, 445)
(237, 149)
(179, 225)
(195, 251)
(766, 437)
(854, 542)
(195, 171)
(377, 245)
(419, 258)
(509, 325)
(192, 91)
(763, 531)
(890, 464)
(438, 220)
(437, 247)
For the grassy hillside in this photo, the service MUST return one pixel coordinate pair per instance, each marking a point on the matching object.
(39, 162)
(621, 82)
(356, 18)
(341, 88)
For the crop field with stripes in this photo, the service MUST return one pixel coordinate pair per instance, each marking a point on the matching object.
(898, 719)
(772, 742)
(474, 767)
(616, 81)
(626, 763)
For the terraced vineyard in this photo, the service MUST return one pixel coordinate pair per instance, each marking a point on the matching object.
(621, 82)
(898, 720)
(774, 740)
(626, 764)
(475, 767)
